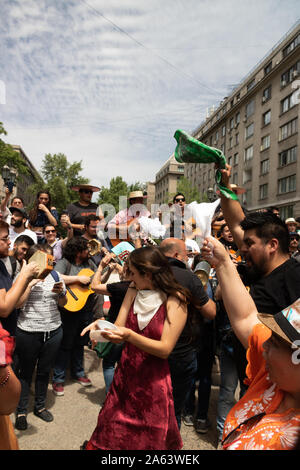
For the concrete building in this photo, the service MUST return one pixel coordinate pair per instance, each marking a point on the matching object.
(256, 127)
(166, 180)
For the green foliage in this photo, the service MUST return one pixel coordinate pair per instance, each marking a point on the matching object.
(190, 192)
(117, 187)
(60, 176)
(10, 157)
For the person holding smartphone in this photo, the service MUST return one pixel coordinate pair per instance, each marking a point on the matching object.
(38, 337)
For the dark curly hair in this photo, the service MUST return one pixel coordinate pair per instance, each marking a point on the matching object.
(74, 246)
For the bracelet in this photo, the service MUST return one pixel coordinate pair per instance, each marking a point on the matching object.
(4, 381)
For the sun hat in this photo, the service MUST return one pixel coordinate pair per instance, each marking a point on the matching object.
(285, 323)
(136, 194)
(78, 187)
(291, 220)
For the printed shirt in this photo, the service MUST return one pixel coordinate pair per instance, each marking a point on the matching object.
(253, 424)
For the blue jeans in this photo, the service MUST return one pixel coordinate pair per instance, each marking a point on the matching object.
(109, 363)
(182, 370)
(228, 385)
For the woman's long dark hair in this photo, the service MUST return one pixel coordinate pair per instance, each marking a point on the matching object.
(151, 260)
(34, 211)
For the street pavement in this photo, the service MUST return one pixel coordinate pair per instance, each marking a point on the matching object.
(75, 415)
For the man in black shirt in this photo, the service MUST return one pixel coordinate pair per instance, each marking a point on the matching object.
(263, 241)
(78, 211)
(183, 359)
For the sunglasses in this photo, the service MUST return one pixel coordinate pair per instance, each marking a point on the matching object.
(294, 238)
(50, 231)
(86, 191)
(180, 199)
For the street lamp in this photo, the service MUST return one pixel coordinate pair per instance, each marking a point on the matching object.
(9, 176)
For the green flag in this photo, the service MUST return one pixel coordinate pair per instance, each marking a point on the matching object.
(191, 150)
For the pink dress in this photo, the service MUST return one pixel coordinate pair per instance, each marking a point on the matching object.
(138, 413)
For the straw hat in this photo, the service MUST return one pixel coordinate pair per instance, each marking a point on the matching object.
(85, 186)
(135, 194)
(286, 323)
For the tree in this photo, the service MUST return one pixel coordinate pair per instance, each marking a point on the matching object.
(11, 158)
(117, 187)
(60, 176)
(190, 192)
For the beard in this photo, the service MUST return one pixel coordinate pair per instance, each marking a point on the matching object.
(16, 223)
(256, 270)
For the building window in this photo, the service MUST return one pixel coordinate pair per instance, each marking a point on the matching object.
(264, 166)
(230, 142)
(268, 68)
(247, 176)
(286, 185)
(249, 130)
(230, 161)
(223, 131)
(236, 139)
(251, 85)
(248, 153)
(288, 129)
(291, 46)
(265, 142)
(237, 118)
(235, 178)
(231, 125)
(180, 168)
(267, 94)
(288, 156)
(249, 110)
(217, 136)
(286, 104)
(236, 159)
(286, 211)
(267, 118)
(290, 74)
(247, 197)
(263, 191)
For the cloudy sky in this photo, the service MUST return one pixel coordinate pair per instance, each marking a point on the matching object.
(109, 81)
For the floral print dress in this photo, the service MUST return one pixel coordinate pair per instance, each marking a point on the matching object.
(253, 424)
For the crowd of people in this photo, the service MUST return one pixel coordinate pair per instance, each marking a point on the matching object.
(178, 304)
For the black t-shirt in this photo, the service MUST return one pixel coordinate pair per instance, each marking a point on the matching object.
(9, 323)
(117, 291)
(77, 214)
(279, 289)
(190, 281)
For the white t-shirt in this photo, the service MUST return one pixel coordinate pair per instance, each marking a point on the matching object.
(14, 235)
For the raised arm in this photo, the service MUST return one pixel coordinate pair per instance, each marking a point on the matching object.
(232, 210)
(241, 310)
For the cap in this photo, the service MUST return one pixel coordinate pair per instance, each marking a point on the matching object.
(18, 209)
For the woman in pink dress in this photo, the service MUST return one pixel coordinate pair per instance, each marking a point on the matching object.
(138, 413)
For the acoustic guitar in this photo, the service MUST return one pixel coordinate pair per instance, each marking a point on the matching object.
(116, 241)
(77, 293)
